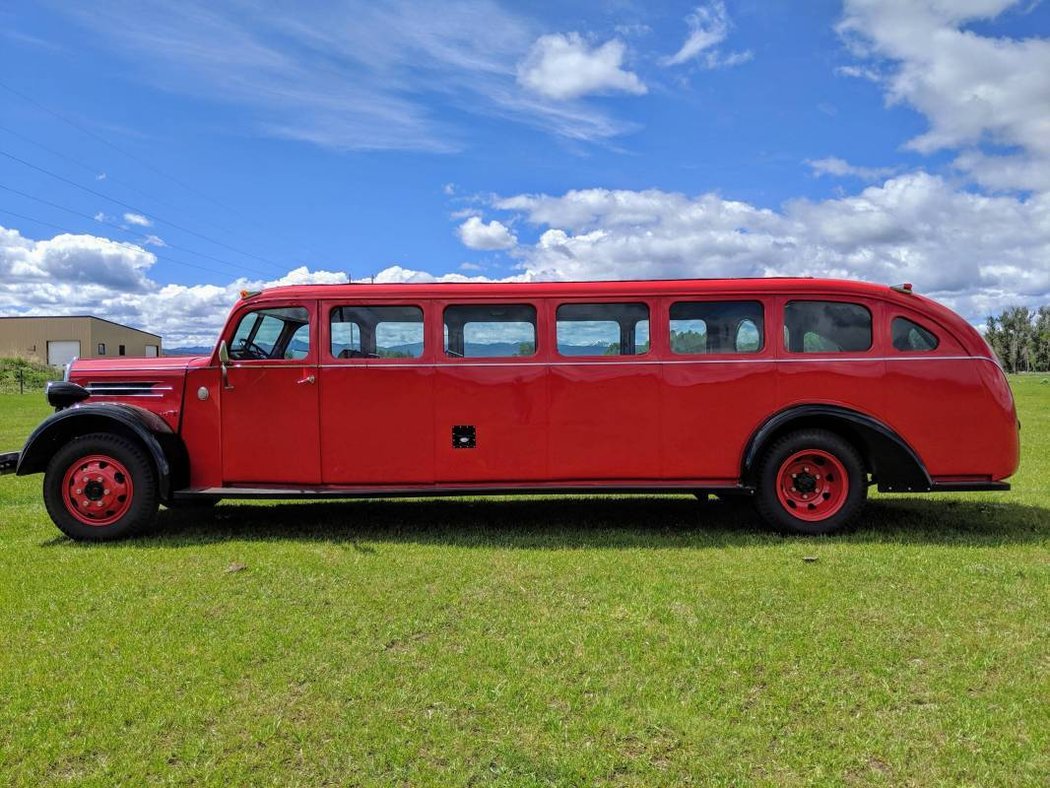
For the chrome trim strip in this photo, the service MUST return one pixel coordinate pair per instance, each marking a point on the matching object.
(823, 359)
(456, 364)
(95, 395)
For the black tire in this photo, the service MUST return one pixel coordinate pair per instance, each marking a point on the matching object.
(787, 511)
(130, 512)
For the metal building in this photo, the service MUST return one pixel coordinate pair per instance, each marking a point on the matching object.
(58, 340)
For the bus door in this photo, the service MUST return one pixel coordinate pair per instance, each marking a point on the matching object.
(377, 394)
(269, 398)
(490, 395)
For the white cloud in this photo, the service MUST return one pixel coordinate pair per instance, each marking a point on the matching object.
(976, 253)
(834, 166)
(476, 234)
(153, 240)
(384, 64)
(88, 274)
(974, 90)
(398, 274)
(137, 219)
(859, 72)
(564, 66)
(709, 26)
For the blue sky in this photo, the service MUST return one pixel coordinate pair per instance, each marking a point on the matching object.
(224, 143)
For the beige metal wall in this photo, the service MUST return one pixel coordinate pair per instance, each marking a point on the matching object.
(28, 337)
(113, 336)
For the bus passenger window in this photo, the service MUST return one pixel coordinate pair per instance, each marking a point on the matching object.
(490, 331)
(377, 332)
(699, 327)
(826, 327)
(910, 337)
(603, 329)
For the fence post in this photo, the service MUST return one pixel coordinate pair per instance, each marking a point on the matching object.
(21, 381)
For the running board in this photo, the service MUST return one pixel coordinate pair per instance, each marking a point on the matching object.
(433, 491)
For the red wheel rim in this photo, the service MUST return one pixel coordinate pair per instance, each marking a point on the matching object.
(97, 490)
(812, 485)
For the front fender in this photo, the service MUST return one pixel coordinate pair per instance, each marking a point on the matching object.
(164, 447)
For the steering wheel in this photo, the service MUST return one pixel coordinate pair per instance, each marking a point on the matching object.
(251, 350)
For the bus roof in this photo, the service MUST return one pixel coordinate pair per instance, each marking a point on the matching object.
(598, 289)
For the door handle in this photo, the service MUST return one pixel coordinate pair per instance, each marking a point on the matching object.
(308, 379)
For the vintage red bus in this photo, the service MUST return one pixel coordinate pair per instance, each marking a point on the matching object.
(797, 392)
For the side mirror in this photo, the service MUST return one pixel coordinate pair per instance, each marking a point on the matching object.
(224, 359)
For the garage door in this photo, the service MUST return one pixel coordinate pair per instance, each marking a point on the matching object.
(62, 351)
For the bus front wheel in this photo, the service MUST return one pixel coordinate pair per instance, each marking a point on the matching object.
(811, 482)
(100, 487)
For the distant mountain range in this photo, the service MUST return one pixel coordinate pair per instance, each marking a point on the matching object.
(189, 351)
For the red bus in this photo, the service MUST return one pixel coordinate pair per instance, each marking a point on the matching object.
(799, 393)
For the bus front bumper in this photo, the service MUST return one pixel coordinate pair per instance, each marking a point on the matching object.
(9, 462)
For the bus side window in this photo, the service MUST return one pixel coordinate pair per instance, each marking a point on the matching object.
(910, 337)
(490, 330)
(699, 327)
(826, 327)
(377, 332)
(603, 329)
(273, 333)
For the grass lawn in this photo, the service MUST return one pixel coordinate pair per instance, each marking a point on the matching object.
(531, 641)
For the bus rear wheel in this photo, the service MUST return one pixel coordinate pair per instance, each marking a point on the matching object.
(100, 487)
(811, 482)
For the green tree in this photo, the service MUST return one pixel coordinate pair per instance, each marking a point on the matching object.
(688, 342)
(1021, 338)
(1042, 339)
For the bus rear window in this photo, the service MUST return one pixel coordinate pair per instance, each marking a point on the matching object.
(826, 327)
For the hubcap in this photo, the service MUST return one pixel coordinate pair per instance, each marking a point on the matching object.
(812, 485)
(97, 490)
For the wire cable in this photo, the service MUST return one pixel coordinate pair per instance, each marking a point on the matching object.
(151, 216)
(144, 239)
(138, 160)
(61, 229)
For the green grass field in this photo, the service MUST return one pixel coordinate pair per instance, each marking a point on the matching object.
(633, 641)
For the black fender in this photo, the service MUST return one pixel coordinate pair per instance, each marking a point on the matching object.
(165, 448)
(893, 464)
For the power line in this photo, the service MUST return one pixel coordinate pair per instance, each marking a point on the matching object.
(118, 149)
(97, 170)
(53, 226)
(145, 239)
(148, 215)
(95, 136)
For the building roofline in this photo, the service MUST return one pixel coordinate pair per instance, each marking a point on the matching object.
(79, 317)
